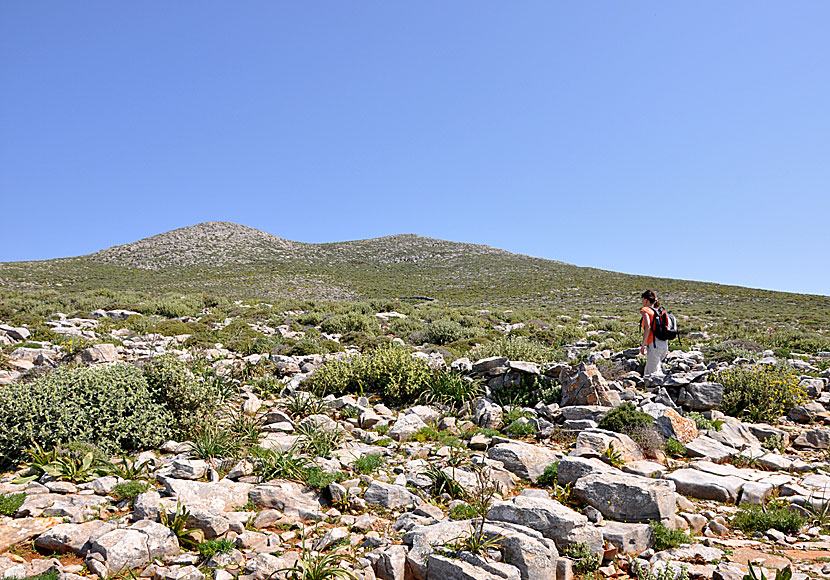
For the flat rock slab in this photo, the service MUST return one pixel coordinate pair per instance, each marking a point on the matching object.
(707, 447)
(554, 520)
(73, 538)
(628, 538)
(524, 459)
(291, 498)
(627, 498)
(702, 485)
(389, 495)
(15, 531)
(222, 496)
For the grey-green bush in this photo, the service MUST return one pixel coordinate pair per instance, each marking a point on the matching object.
(109, 406)
(389, 370)
(351, 322)
(445, 331)
(172, 384)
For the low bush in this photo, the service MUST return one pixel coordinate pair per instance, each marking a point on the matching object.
(350, 322)
(775, 515)
(369, 463)
(173, 385)
(549, 476)
(445, 331)
(109, 405)
(9, 503)
(759, 394)
(463, 511)
(647, 439)
(532, 390)
(703, 423)
(389, 370)
(674, 448)
(517, 348)
(665, 539)
(210, 548)
(625, 416)
(129, 489)
(450, 389)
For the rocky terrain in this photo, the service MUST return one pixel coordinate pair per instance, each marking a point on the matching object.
(396, 460)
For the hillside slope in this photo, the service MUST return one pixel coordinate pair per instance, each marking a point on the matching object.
(242, 262)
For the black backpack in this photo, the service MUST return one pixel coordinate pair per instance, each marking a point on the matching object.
(663, 324)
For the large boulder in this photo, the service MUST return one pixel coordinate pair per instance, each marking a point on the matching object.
(487, 414)
(702, 485)
(389, 495)
(595, 442)
(73, 538)
(15, 531)
(701, 396)
(100, 353)
(126, 549)
(524, 459)
(814, 438)
(671, 424)
(526, 549)
(585, 385)
(627, 498)
(221, 496)
(549, 517)
(468, 567)
(291, 498)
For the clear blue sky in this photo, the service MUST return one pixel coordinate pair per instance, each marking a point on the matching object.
(680, 139)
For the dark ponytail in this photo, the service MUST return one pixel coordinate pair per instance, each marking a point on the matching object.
(651, 297)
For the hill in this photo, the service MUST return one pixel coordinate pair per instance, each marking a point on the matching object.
(235, 261)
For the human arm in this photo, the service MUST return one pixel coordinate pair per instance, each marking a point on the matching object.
(646, 327)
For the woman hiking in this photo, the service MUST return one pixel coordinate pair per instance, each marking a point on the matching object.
(654, 349)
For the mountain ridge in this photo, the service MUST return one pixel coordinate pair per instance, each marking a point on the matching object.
(228, 259)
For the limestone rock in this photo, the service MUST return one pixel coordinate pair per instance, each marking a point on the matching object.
(627, 498)
(524, 459)
(585, 385)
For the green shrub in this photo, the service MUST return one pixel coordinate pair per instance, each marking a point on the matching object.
(520, 429)
(173, 306)
(450, 389)
(350, 322)
(310, 318)
(517, 348)
(463, 511)
(313, 346)
(367, 464)
(549, 476)
(109, 405)
(530, 391)
(665, 539)
(445, 331)
(129, 489)
(173, 385)
(626, 415)
(674, 448)
(171, 327)
(210, 548)
(9, 503)
(775, 515)
(389, 370)
(760, 394)
(585, 561)
(703, 423)
(405, 326)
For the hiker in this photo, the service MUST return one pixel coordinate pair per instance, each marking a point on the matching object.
(654, 348)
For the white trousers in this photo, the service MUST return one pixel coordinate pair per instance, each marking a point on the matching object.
(656, 352)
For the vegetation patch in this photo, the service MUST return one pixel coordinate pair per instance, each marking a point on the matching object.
(759, 394)
(625, 416)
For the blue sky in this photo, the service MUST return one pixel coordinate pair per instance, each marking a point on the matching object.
(679, 139)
